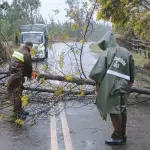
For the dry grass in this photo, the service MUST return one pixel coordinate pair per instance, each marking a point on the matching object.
(140, 60)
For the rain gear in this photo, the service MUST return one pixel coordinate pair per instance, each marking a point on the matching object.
(113, 72)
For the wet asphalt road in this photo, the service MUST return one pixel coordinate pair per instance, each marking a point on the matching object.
(78, 127)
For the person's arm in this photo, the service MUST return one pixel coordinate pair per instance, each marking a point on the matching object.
(132, 70)
(99, 70)
(28, 65)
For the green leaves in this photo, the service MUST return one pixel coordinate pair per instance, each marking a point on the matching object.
(59, 91)
(24, 100)
(75, 26)
(61, 61)
(126, 14)
(65, 37)
(19, 12)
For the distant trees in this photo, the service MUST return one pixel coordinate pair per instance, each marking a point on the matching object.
(17, 13)
(26, 11)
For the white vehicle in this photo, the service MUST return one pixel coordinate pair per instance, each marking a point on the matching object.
(37, 34)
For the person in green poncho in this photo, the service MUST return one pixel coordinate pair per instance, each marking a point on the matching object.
(114, 76)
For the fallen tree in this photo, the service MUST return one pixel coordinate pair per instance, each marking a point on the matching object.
(133, 90)
(78, 81)
(53, 91)
(145, 91)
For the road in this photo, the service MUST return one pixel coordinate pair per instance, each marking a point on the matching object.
(79, 127)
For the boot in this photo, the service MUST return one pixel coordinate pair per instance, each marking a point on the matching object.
(124, 138)
(124, 122)
(21, 116)
(114, 142)
(25, 112)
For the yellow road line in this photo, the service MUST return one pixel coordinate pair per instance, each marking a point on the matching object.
(66, 133)
(54, 141)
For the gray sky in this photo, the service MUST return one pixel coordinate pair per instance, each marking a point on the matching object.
(49, 5)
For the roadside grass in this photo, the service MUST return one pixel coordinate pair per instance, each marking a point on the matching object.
(139, 59)
(94, 48)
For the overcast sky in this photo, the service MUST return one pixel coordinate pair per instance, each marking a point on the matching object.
(49, 5)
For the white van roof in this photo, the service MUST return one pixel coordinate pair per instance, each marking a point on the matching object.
(32, 32)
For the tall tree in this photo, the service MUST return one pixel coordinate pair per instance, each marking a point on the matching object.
(4, 24)
(132, 16)
(32, 8)
(77, 13)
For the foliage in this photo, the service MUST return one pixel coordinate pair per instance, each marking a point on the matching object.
(18, 13)
(69, 78)
(26, 11)
(80, 13)
(80, 26)
(43, 82)
(1, 116)
(33, 52)
(130, 16)
(24, 100)
(61, 61)
(19, 122)
(77, 14)
(59, 91)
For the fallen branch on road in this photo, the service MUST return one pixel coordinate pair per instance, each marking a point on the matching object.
(145, 91)
(78, 81)
(133, 90)
(53, 91)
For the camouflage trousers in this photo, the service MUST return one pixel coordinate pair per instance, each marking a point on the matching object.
(15, 84)
(119, 122)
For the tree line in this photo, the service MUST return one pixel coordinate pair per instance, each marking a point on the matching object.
(20, 12)
(17, 13)
(129, 18)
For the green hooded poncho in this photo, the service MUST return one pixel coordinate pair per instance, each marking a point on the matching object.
(113, 71)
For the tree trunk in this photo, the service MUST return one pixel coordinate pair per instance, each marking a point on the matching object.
(133, 90)
(61, 78)
(78, 81)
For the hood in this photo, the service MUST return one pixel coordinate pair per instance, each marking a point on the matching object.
(107, 40)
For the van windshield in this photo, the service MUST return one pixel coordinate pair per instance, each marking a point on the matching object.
(35, 38)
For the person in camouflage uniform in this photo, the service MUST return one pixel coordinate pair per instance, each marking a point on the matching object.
(20, 67)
